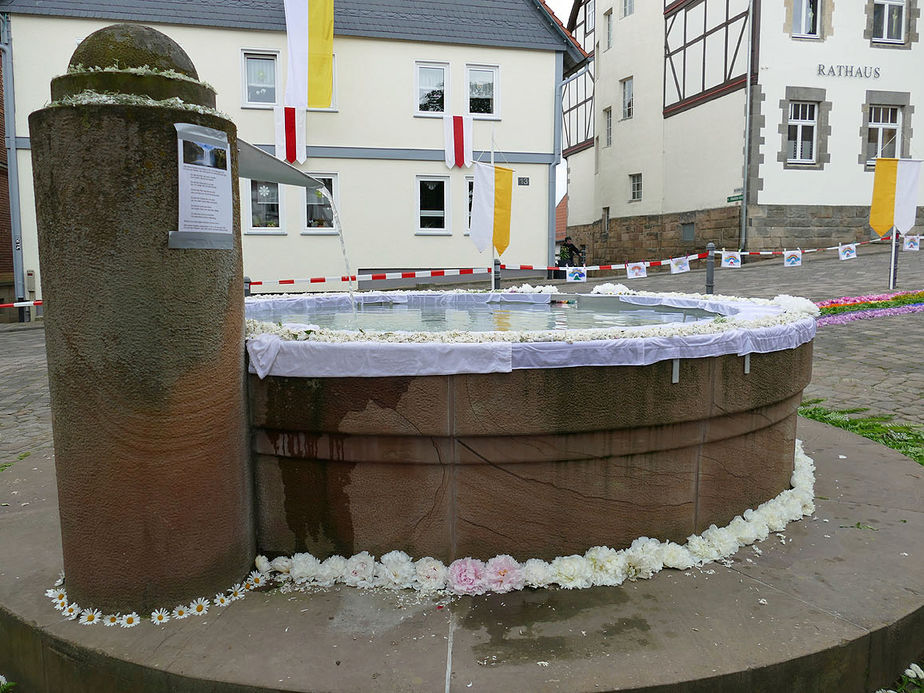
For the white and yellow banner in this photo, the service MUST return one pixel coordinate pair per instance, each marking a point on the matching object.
(895, 195)
(491, 203)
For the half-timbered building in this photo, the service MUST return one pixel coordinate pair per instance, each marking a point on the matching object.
(743, 122)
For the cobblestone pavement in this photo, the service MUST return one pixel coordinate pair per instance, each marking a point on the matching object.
(869, 363)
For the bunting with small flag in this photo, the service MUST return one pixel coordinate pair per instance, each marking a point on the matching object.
(491, 205)
(457, 138)
(309, 80)
(895, 195)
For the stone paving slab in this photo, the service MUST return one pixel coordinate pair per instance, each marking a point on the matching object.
(834, 595)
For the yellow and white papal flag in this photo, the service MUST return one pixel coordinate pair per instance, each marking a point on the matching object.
(491, 203)
(895, 195)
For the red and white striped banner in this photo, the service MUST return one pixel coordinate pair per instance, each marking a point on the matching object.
(457, 133)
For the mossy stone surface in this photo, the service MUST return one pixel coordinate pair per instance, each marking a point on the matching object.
(158, 87)
(130, 45)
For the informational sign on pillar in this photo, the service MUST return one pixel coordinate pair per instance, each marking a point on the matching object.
(205, 201)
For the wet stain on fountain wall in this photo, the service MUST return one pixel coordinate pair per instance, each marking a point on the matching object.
(533, 463)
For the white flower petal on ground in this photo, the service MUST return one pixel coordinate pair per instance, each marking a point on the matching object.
(60, 580)
(130, 620)
(112, 620)
(71, 611)
(90, 617)
(199, 607)
(160, 616)
(256, 579)
(236, 592)
(221, 600)
(61, 604)
(180, 612)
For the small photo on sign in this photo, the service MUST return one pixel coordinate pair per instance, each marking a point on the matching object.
(912, 243)
(576, 274)
(680, 264)
(792, 258)
(847, 252)
(201, 154)
(731, 259)
(636, 270)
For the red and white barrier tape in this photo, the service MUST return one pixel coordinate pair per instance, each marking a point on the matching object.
(21, 304)
(424, 274)
(421, 274)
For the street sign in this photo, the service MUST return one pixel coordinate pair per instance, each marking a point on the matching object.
(735, 198)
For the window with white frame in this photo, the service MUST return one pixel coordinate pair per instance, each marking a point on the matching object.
(433, 204)
(889, 20)
(608, 126)
(803, 125)
(627, 97)
(431, 93)
(608, 23)
(805, 18)
(259, 78)
(264, 205)
(483, 89)
(590, 16)
(319, 217)
(635, 187)
(628, 7)
(882, 135)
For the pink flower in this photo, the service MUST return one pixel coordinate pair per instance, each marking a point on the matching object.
(503, 574)
(466, 576)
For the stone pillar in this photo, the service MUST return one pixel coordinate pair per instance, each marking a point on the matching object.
(145, 343)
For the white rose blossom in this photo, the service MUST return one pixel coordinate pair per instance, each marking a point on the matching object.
(305, 567)
(263, 564)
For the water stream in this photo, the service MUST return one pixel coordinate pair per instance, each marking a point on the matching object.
(346, 260)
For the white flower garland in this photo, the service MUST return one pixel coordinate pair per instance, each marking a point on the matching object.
(794, 309)
(599, 566)
(88, 97)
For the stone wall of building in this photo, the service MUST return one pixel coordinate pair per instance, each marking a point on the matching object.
(657, 236)
(770, 227)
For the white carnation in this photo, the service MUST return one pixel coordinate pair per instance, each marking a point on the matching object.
(700, 549)
(643, 558)
(395, 571)
(612, 289)
(282, 564)
(360, 570)
(607, 566)
(331, 571)
(675, 556)
(537, 573)
(724, 541)
(305, 567)
(263, 564)
(431, 574)
(796, 304)
(571, 572)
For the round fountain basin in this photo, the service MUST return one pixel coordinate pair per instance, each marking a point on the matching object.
(539, 449)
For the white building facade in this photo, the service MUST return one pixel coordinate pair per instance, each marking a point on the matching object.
(685, 154)
(379, 148)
